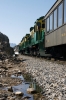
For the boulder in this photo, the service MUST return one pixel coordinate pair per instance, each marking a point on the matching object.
(5, 45)
(19, 72)
(19, 93)
(10, 89)
(11, 98)
(31, 90)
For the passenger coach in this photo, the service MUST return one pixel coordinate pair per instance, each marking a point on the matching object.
(55, 33)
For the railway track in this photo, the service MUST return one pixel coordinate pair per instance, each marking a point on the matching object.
(52, 59)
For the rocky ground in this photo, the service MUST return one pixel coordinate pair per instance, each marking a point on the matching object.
(13, 66)
(8, 67)
(51, 76)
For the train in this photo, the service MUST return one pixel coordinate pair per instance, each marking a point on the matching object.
(48, 35)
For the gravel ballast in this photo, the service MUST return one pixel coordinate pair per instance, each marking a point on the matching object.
(49, 75)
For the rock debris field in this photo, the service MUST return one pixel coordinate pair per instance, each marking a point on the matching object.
(13, 86)
(9, 66)
(51, 76)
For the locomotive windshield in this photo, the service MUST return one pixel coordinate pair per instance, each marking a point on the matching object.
(39, 24)
(43, 25)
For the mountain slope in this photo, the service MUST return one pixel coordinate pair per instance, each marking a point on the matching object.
(12, 44)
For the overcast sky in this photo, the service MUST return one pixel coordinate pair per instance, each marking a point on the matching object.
(17, 16)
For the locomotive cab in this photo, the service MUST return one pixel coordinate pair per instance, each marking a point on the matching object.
(37, 37)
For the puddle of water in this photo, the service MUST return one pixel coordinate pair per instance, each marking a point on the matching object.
(21, 77)
(22, 87)
(18, 76)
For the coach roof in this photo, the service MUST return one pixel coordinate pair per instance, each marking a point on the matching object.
(53, 8)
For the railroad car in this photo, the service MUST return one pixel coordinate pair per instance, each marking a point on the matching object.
(48, 36)
(55, 29)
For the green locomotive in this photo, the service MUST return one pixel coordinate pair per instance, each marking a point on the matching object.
(33, 43)
(24, 44)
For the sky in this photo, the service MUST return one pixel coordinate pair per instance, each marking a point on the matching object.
(17, 16)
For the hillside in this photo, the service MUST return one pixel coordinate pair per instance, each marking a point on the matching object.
(12, 44)
(5, 45)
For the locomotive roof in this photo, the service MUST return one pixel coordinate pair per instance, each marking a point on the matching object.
(27, 35)
(39, 18)
(52, 8)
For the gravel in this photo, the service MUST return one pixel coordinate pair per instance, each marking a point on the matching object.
(49, 75)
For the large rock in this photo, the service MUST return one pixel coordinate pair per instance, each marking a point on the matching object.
(3, 38)
(31, 90)
(5, 45)
(10, 89)
(19, 93)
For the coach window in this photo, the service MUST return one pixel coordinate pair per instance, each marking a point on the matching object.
(60, 15)
(55, 19)
(51, 20)
(64, 11)
(47, 24)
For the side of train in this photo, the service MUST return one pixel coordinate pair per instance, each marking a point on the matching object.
(48, 36)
